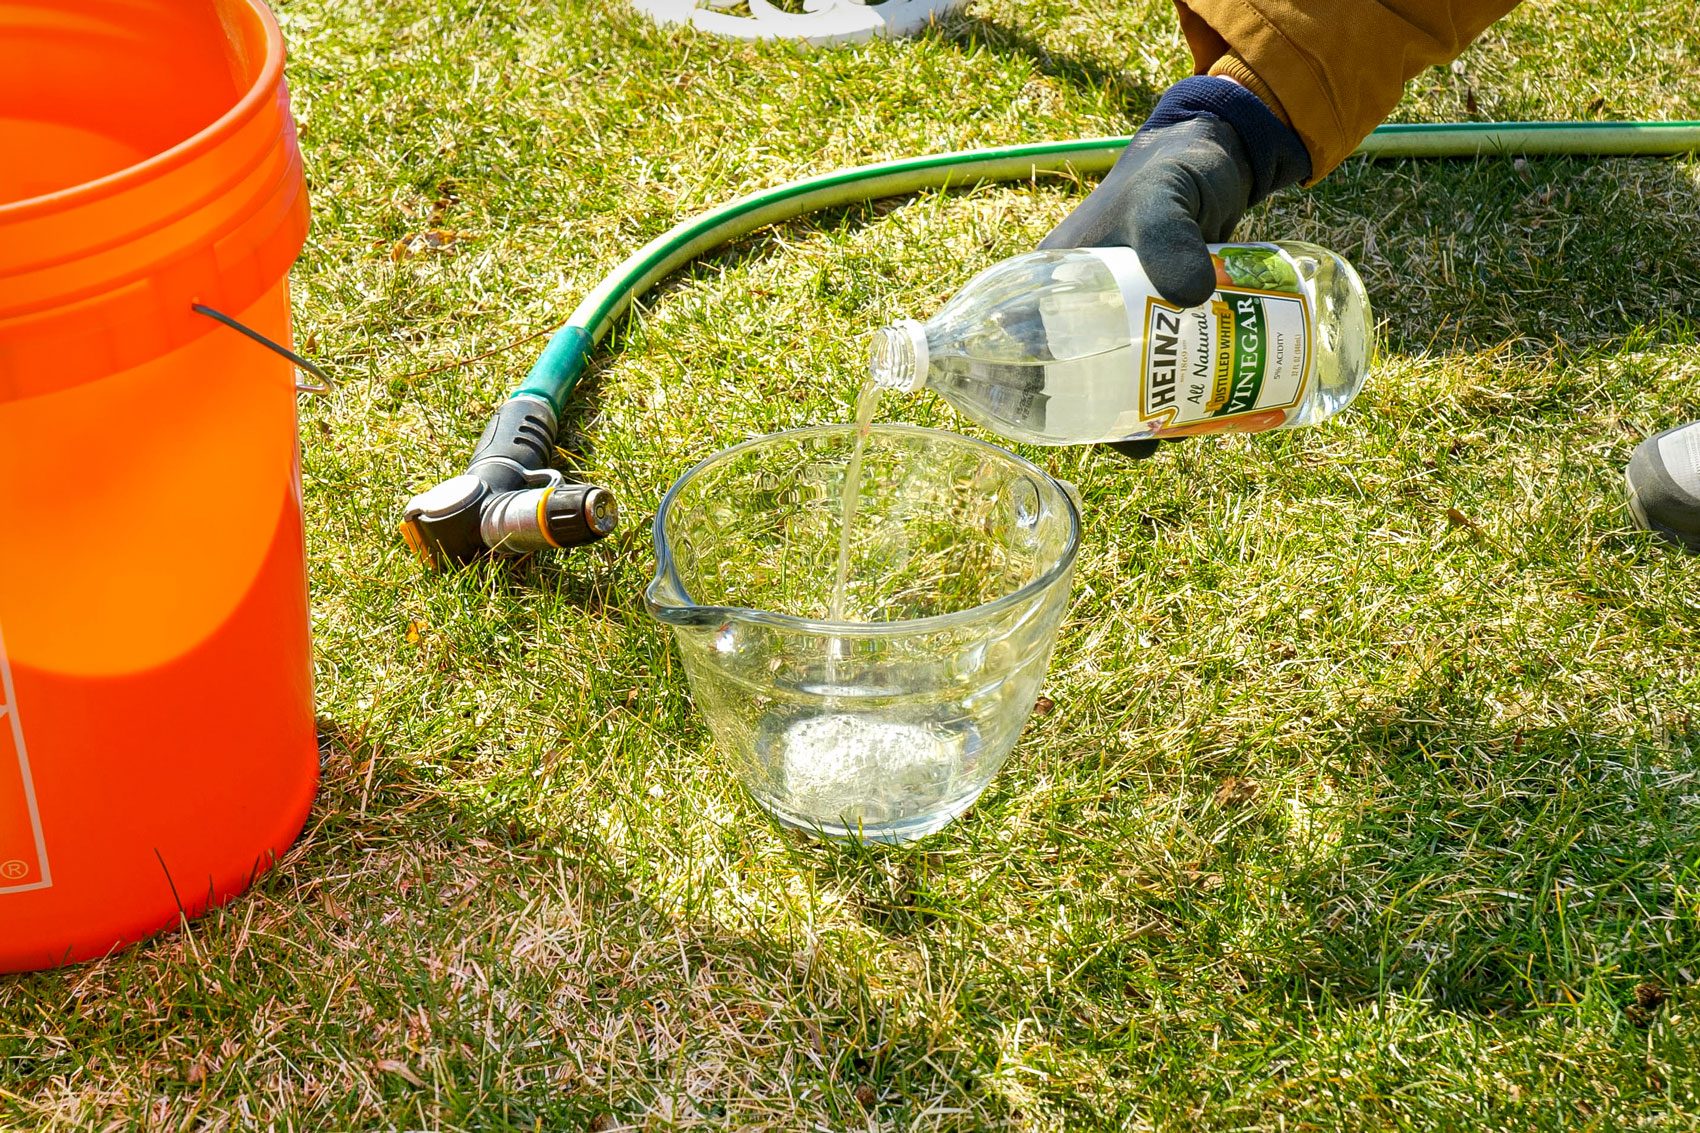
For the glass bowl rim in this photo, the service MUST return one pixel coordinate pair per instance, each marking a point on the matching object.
(691, 613)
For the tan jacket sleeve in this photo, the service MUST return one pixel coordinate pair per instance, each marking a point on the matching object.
(1332, 69)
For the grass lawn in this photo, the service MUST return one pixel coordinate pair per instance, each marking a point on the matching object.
(1370, 796)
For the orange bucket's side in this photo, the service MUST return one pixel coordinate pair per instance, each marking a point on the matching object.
(157, 746)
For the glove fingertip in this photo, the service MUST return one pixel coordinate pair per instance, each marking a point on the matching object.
(1134, 450)
(1171, 248)
(1187, 283)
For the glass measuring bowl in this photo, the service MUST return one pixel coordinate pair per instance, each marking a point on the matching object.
(887, 724)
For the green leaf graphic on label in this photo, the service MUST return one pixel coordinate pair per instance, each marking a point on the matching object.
(1252, 265)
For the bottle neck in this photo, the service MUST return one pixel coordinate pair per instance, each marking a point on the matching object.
(897, 357)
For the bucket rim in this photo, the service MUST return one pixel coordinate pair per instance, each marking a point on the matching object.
(263, 88)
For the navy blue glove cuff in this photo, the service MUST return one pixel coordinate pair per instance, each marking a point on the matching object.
(1277, 156)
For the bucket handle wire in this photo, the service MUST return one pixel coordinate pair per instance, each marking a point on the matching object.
(324, 386)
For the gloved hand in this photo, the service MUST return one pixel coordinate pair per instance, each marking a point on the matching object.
(1210, 150)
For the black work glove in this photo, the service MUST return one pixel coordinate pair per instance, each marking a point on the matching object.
(1210, 150)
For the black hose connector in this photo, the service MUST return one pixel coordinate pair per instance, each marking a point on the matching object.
(509, 499)
(521, 434)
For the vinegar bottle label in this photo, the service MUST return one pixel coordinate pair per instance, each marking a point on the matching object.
(23, 854)
(1238, 362)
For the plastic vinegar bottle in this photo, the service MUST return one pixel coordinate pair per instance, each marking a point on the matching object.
(1074, 346)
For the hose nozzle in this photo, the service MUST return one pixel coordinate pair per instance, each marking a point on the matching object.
(559, 516)
(509, 501)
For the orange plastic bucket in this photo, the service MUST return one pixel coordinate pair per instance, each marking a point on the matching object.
(157, 745)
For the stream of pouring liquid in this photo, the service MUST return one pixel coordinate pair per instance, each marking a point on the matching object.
(866, 403)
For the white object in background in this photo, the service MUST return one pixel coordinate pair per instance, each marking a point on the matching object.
(821, 23)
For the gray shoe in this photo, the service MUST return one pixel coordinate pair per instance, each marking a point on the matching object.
(1664, 485)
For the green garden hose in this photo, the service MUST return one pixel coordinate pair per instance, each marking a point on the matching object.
(442, 524)
(563, 360)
